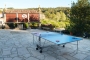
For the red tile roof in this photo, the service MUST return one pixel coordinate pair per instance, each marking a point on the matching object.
(21, 11)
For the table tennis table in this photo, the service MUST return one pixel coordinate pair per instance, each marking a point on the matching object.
(57, 38)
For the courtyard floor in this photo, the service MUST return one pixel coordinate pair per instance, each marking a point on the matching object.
(18, 45)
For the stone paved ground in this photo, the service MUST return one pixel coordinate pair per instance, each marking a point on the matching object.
(18, 45)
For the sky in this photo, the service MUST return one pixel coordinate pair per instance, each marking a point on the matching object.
(35, 3)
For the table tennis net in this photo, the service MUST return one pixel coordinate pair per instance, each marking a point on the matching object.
(49, 34)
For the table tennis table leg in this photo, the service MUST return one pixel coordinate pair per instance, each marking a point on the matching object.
(63, 45)
(33, 39)
(77, 48)
(77, 45)
(39, 45)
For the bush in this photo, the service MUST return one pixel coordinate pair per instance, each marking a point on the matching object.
(54, 23)
(34, 25)
(65, 32)
(12, 25)
(25, 25)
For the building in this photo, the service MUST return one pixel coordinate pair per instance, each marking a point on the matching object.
(21, 15)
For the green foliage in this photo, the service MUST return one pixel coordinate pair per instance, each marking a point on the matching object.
(10, 8)
(62, 24)
(58, 16)
(80, 17)
(54, 23)
(26, 25)
(46, 21)
(34, 25)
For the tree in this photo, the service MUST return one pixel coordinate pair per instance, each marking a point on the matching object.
(47, 14)
(80, 17)
(62, 16)
(10, 8)
(58, 16)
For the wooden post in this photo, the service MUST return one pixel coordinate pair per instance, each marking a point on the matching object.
(17, 17)
(28, 17)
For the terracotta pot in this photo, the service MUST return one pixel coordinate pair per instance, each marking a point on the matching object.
(71, 33)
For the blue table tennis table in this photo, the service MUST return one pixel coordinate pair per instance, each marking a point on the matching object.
(57, 38)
